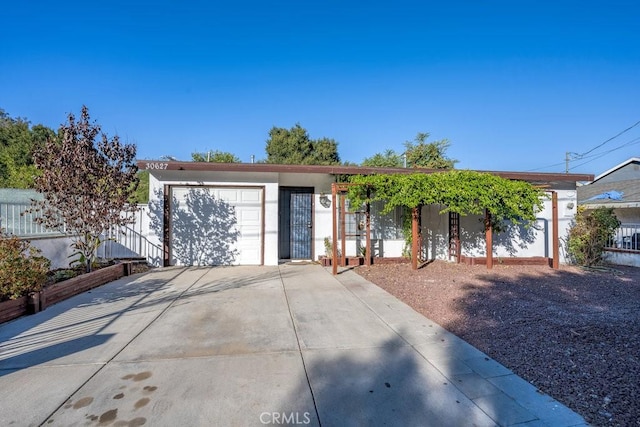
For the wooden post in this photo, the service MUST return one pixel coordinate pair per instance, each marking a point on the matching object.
(488, 230)
(555, 240)
(334, 245)
(367, 252)
(414, 239)
(343, 230)
(420, 247)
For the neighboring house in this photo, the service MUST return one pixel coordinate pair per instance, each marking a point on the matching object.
(618, 188)
(261, 214)
(13, 202)
(13, 220)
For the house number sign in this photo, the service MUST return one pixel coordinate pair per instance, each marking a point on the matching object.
(156, 165)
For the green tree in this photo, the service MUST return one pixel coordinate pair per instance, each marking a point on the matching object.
(417, 154)
(141, 194)
(87, 185)
(388, 159)
(216, 156)
(431, 155)
(295, 147)
(18, 140)
(590, 233)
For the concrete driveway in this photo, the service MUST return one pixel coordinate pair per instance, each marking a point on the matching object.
(252, 346)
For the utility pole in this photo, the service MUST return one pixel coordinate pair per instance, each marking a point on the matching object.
(567, 157)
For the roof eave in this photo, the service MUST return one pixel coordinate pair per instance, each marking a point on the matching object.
(159, 165)
(615, 205)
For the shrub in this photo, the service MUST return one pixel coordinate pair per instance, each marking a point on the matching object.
(22, 269)
(590, 233)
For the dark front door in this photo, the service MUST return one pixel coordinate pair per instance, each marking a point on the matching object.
(296, 228)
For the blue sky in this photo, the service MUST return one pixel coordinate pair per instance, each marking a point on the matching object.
(512, 84)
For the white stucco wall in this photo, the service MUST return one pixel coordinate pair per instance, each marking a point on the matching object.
(57, 249)
(323, 223)
(435, 232)
(516, 241)
(321, 184)
(622, 258)
(520, 241)
(268, 181)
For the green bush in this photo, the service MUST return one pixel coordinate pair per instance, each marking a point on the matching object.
(589, 235)
(22, 269)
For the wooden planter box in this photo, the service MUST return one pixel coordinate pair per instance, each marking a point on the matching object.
(351, 261)
(12, 309)
(76, 285)
(62, 290)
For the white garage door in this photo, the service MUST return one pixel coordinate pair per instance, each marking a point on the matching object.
(216, 226)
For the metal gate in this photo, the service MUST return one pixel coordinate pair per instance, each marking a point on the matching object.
(454, 236)
(301, 226)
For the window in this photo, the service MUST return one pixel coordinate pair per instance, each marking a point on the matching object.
(385, 227)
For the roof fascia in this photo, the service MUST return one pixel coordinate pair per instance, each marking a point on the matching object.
(159, 165)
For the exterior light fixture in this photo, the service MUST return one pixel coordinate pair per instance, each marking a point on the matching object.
(324, 200)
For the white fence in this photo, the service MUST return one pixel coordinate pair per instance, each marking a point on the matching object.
(627, 237)
(14, 219)
(131, 241)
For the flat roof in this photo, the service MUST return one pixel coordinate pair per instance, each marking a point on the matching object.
(162, 165)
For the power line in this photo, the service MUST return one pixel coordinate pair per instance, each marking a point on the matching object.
(563, 163)
(610, 139)
(545, 167)
(597, 156)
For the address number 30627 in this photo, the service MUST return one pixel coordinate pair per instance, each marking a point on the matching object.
(156, 165)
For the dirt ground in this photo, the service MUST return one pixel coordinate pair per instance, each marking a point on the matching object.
(573, 333)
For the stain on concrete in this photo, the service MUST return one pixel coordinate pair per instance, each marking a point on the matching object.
(108, 416)
(119, 396)
(136, 422)
(85, 401)
(142, 402)
(150, 388)
(142, 376)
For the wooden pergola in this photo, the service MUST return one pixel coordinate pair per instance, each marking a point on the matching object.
(338, 191)
(338, 194)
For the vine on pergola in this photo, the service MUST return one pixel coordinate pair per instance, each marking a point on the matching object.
(460, 191)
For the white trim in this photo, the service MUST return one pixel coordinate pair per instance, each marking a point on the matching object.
(615, 205)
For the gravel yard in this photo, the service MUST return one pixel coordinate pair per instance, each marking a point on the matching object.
(574, 334)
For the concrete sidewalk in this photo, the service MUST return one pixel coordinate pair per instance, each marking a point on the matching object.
(251, 346)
